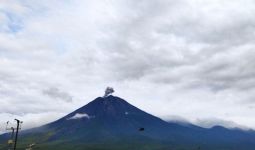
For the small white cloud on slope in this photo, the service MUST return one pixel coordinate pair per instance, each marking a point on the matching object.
(79, 116)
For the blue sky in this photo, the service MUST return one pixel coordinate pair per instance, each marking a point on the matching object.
(180, 60)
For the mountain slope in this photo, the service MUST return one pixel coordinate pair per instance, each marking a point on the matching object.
(113, 123)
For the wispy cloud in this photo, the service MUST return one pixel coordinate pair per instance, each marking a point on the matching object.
(79, 116)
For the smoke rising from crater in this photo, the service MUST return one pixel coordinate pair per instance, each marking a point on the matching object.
(108, 91)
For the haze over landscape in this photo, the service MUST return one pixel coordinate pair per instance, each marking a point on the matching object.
(185, 60)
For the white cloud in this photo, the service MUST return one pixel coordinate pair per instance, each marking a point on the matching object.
(211, 122)
(29, 120)
(79, 116)
(191, 58)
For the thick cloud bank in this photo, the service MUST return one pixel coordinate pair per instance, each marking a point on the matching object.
(190, 58)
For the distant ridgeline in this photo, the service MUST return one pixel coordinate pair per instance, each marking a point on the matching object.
(111, 123)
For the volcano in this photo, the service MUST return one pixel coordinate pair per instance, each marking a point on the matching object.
(109, 123)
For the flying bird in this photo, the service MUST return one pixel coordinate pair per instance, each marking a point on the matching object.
(141, 129)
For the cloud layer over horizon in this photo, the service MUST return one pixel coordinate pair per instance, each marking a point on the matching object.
(189, 58)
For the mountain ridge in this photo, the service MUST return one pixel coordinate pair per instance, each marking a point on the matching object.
(113, 123)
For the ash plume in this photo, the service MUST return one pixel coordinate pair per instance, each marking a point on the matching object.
(108, 91)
